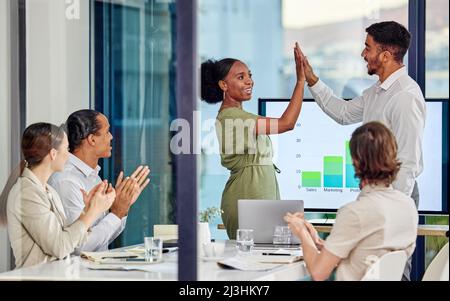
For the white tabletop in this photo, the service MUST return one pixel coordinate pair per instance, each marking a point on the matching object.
(75, 268)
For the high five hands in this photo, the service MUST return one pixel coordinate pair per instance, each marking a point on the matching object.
(299, 63)
(307, 70)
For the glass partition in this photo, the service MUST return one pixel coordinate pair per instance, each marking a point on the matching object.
(262, 34)
(133, 55)
(436, 49)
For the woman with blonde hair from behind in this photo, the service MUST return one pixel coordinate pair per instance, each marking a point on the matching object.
(33, 211)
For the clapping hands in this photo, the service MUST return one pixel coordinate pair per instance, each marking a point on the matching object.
(129, 189)
(100, 198)
(297, 224)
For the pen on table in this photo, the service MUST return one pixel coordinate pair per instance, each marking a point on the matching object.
(281, 254)
(120, 257)
(170, 250)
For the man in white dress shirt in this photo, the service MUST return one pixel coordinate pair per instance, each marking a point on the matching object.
(90, 140)
(395, 100)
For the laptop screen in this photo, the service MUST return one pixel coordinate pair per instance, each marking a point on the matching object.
(264, 215)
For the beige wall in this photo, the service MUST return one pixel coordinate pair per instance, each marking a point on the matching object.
(57, 74)
(57, 60)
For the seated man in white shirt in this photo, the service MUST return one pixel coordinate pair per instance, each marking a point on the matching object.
(381, 219)
(396, 100)
(90, 140)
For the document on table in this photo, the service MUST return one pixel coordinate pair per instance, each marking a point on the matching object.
(107, 257)
(242, 264)
(137, 249)
(262, 261)
(277, 258)
(281, 255)
(168, 267)
(140, 250)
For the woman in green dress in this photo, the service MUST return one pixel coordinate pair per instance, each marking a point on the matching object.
(245, 147)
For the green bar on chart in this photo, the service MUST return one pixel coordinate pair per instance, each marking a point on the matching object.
(333, 171)
(311, 179)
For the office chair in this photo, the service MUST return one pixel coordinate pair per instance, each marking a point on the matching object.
(438, 268)
(388, 267)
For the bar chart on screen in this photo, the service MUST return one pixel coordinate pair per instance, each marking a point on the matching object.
(335, 171)
(316, 165)
(318, 161)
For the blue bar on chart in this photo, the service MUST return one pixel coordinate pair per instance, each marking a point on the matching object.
(350, 180)
(333, 171)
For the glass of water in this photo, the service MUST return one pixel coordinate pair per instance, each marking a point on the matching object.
(282, 235)
(153, 249)
(244, 240)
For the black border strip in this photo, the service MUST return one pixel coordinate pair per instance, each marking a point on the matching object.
(186, 164)
(416, 52)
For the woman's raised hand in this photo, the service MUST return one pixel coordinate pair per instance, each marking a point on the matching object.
(299, 63)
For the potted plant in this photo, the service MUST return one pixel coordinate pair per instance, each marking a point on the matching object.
(209, 214)
(204, 233)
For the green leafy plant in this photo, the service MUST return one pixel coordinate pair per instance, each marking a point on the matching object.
(209, 214)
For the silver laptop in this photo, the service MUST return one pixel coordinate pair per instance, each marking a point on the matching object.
(263, 215)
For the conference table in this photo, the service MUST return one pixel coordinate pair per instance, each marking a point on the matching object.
(325, 226)
(74, 268)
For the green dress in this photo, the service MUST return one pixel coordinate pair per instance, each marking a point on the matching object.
(249, 159)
